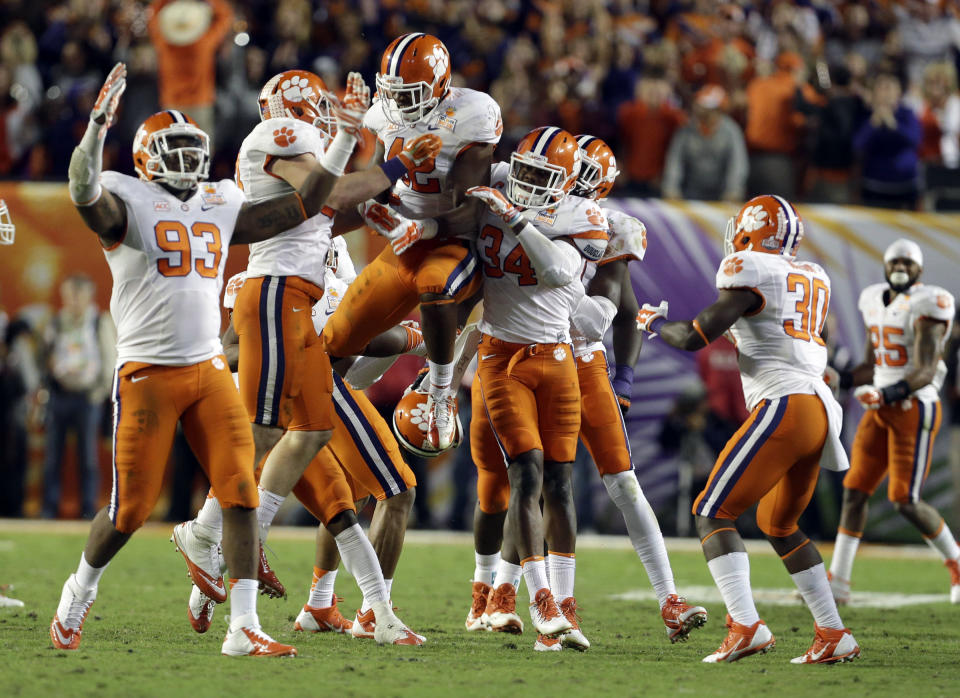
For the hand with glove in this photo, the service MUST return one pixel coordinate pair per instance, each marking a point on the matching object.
(497, 203)
(872, 398)
(648, 314)
(832, 378)
(623, 386)
(419, 150)
(349, 111)
(401, 232)
(104, 111)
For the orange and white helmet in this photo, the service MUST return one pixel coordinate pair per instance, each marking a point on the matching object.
(297, 94)
(543, 168)
(767, 223)
(598, 168)
(169, 147)
(410, 426)
(414, 76)
(7, 228)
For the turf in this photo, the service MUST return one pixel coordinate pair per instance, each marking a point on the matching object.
(137, 641)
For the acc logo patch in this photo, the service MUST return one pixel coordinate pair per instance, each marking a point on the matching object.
(161, 205)
(734, 265)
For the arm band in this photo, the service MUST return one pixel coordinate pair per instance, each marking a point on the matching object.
(623, 380)
(656, 324)
(394, 169)
(846, 380)
(338, 153)
(896, 392)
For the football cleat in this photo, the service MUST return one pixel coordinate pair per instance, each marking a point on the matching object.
(364, 625)
(203, 560)
(501, 613)
(742, 641)
(200, 610)
(441, 419)
(67, 625)
(574, 637)
(547, 644)
(6, 601)
(840, 588)
(269, 584)
(680, 618)
(954, 567)
(830, 646)
(245, 638)
(323, 620)
(390, 630)
(546, 616)
(475, 617)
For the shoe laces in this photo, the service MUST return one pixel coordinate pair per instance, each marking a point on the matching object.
(76, 613)
(547, 607)
(569, 609)
(479, 601)
(503, 600)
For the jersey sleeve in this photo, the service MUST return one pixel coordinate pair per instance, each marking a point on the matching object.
(740, 270)
(588, 230)
(481, 122)
(934, 303)
(233, 289)
(285, 138)
(375, 120)
(628, 237)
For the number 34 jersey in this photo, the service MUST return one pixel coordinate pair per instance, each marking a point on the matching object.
(168, 270)
(780, 348)
(891, 327)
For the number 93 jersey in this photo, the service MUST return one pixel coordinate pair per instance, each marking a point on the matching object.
(168, 270)
(781, 351)
(463, 117)
(891, 326)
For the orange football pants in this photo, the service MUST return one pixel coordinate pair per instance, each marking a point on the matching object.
(601, 421)
(148, 400)
(773, 459)
(493, 485)
(390, 287)
(897, 441)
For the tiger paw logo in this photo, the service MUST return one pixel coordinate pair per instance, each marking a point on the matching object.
(418, 416)
(438, 60)
(733, 266)
(753, 218)
(943, 301)
(595, 216)
(296, 89)
(284, 137)
(559, 353)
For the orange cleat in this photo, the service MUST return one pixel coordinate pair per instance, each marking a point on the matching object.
(475, 618)
(269, 584)
(830, 646)
(680, 618)
(501, 613)
(742, 641)
(323, 620)
(574, 637)
(67, 625)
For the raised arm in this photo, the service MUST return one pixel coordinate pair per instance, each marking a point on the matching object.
(710, 323)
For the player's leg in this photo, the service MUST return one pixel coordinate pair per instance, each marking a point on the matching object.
(560, 534)
(868, 467)
(217, 429)
(145, 418)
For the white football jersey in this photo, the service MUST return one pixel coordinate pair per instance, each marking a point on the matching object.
(891, 327)
(516, 307)
(168, 270)
(462, 118)
(300, 251)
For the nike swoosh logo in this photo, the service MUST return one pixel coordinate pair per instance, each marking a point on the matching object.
(205, 208)
(61, 638)
(488, 356)
(433, 128)
(815, 656)
(296, 310)
(137, 380)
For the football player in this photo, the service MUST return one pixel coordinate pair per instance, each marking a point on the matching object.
(289, 406)
(774, 308)
(415, 98)
(165, 236)
(898, 384)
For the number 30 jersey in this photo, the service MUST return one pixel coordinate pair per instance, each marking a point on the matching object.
(780, 348)
(168, 270)
(462, 118)
(892, 334)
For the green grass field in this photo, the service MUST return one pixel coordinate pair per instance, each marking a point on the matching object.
(137, 641)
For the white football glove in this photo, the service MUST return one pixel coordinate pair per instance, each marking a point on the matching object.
(349, 111)
(869, 397)
(497, 203)
(402, 232)
(648, 313)
(104, 110)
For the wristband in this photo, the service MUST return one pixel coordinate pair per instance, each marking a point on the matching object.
(338, 153)
(896, 392)
(394, 169)
(623, 380)
(846, 380)
(656, 324)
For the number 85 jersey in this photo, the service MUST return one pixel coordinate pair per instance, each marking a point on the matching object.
(168, 270)
(780, 348)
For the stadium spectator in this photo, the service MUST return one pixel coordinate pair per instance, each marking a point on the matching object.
(938, 108)
(187, 35)
(887, 144)
(707, 159)
(19, 381)
(80, 351)
(927, 34)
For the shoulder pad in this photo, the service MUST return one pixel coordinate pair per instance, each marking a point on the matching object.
(473, 116)
(498, 175)
(933, 302)
(740, 270)
(232, 289)
(117, 183)
(285, 138)
(374, 119)
(628, 237)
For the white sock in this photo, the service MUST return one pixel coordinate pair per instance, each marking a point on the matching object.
(441, 376)
(388, 585)
(269, 505)
(486, 566)
(507, 573)
(243, 598)
(815, 590)
(844, 550)
(731, 572)
(321, 590)
(209, 520)
(944, 543)
(644, 531)
(535, 575)
(361, 562)
(87, 576)
(561, 572)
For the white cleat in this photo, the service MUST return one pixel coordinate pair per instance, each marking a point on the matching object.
(442, 416)
(202, 556)
(954, 567)
(501, 612)
(476, 617)
(574, 637)
(200, 610)
(390, 630)
(67, 625)
(546, 616)
(6, 601)
(245, 638)
(742, 641)
(840, 588)
(547, 644)
(830, 647)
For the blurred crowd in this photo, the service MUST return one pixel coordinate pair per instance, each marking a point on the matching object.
(820, 100)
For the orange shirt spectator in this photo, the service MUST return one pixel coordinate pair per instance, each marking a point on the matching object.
(772, 119)
(646, 126)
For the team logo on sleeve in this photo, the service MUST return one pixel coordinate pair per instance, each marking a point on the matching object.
(733, 266)
(943, 301)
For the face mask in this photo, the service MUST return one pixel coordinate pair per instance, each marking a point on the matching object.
(899, 280)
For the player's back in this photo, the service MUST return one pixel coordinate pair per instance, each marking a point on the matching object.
(302, 249)
(462, 117)
(892, 322)
(780, 347)
(168, 269)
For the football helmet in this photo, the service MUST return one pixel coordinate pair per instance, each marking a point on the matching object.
(767, 223)
(543, 168)
(297, 94)
(598, 168)
(410, 426)
(414, 76)
(7, 228)
(169, 147)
